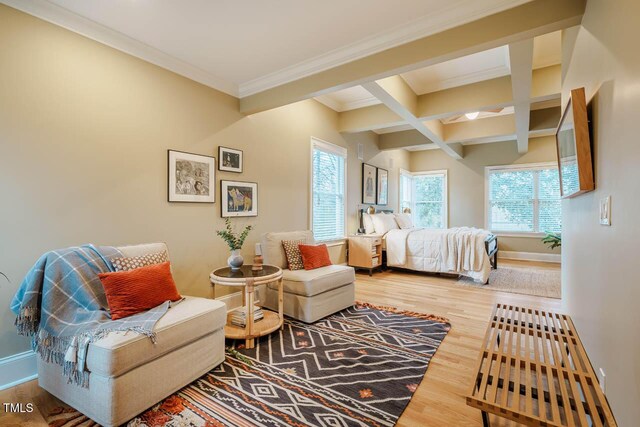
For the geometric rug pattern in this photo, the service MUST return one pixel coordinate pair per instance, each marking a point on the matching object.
(358, 367)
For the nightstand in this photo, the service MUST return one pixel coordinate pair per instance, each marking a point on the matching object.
(365, 251)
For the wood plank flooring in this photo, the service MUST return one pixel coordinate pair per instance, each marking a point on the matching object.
(440, 398)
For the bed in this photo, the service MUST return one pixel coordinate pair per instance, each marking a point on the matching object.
(465, 251)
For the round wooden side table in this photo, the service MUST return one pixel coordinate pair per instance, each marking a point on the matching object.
(249, 279)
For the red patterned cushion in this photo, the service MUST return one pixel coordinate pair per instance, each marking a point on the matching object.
(135, 291)
(314, 256)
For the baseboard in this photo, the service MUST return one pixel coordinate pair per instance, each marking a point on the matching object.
(18, 369)
(529, 256)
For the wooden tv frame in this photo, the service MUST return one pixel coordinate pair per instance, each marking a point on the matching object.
(578, 105)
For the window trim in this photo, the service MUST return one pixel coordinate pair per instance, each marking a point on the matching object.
(487, 204)
(445, 200)
(338, 151)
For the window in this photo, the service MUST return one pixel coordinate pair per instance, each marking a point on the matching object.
(524, 199)
(328, 185)
(426, 194)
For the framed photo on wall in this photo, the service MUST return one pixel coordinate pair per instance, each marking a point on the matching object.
(230, 160)
(238, 198)
(191, 177)
(382, 193)
(368, 184)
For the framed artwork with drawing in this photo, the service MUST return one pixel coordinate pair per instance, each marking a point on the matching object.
(368, 184)
(191, 177)
(230, 159)
(238, 198)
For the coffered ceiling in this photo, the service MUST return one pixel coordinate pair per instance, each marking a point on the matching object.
(410, 72)
(243, 47)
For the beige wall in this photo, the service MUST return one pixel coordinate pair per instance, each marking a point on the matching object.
(599, 276)
(84, 133)
(467, 183)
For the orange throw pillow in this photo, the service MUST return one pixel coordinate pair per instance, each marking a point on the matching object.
(134, 291)
(314, 256)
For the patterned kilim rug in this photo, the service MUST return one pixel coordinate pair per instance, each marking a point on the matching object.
(358, 367)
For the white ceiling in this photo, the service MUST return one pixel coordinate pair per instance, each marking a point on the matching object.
(461, 71)
(243, 47)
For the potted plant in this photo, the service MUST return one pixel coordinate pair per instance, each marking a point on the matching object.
(235, 243)
(553, 240)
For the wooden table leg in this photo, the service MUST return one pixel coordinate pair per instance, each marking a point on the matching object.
(485, 419)
(281, 302)
(249, 342)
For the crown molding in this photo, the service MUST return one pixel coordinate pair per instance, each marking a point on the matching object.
(451, 82)
(351, 105)
(422, 27)
(73, 22)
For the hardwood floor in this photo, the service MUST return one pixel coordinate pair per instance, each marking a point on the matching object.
(440, 398)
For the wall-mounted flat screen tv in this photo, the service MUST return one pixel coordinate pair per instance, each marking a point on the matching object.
(574, 147)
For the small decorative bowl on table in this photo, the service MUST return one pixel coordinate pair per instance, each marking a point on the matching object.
(249, 279)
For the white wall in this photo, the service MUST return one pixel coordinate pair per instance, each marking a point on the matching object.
(600, 273)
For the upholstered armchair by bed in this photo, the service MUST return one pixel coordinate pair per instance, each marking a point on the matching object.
(129, 373)
(309, 295)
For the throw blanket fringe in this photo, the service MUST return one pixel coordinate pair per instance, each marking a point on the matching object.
(62, 306)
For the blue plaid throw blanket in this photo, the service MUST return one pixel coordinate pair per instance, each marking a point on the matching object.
(62, 305)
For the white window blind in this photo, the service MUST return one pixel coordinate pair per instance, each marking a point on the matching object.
(524, 199)
(328, 185)
(406, 185)
(426, 194)
(429, 199)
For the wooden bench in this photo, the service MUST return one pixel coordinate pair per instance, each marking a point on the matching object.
(534, 370)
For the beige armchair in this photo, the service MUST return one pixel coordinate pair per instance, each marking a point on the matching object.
(309, 295)
(130, 374)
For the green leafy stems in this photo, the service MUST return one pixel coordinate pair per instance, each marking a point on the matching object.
(553, 240)
(234, 240)
(241, 357)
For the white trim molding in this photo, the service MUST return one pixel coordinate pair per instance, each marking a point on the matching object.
(529, 256)
(18, 369)
(71, 21)
(419, 28)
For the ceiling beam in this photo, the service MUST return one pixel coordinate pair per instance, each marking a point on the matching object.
(516, 24)
(480, 96)
(491, 129)
(399, 98)
(521, 62)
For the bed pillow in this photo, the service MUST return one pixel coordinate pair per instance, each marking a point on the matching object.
(131, 263)
(404, 221)
(383, 223)
(135, 291)
(368, 223)
(292, 253)
(315, 256)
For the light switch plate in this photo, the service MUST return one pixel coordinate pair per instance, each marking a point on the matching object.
(605, 211)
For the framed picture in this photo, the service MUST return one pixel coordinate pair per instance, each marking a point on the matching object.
(192, 177)
(230, 160)
(382, 193)
(368, 184)
(238, 198)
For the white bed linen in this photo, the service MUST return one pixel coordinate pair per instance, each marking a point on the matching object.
(455, 250)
